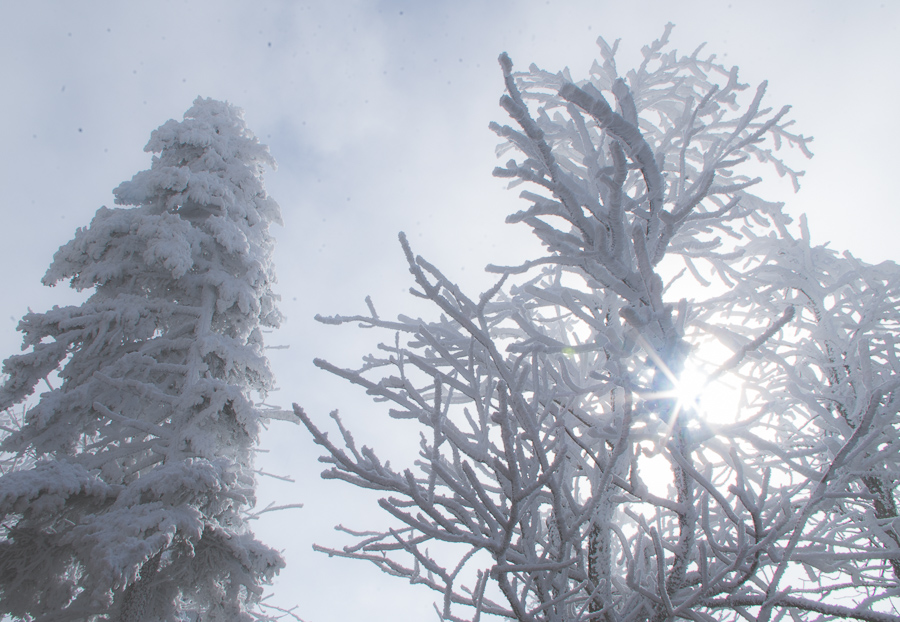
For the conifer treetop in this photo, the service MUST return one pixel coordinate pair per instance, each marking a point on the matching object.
(136, 495)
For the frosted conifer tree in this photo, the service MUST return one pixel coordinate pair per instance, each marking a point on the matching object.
(134, 510)
(567, 470)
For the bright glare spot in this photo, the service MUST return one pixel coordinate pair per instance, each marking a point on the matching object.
(690, 387)
(700, 390)
(714, 401)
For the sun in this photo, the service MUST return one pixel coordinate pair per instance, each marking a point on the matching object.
(714, 400)
(689, 388)
(700, 391)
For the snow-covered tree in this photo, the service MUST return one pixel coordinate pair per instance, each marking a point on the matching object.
(569, 467)
(135, 507)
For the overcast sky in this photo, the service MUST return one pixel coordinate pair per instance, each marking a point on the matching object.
(377, 113)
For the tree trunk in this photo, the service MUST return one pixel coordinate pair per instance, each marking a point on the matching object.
(137, 600)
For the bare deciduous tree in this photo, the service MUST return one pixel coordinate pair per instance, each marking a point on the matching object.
(567, 469)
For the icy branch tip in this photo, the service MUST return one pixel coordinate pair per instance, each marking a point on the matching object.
(328, 319)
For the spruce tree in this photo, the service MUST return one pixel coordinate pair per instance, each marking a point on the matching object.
(135, 506)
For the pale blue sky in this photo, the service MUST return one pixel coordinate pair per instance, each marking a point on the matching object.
(377, 113)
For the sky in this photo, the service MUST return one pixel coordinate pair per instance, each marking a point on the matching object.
(377, 113)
